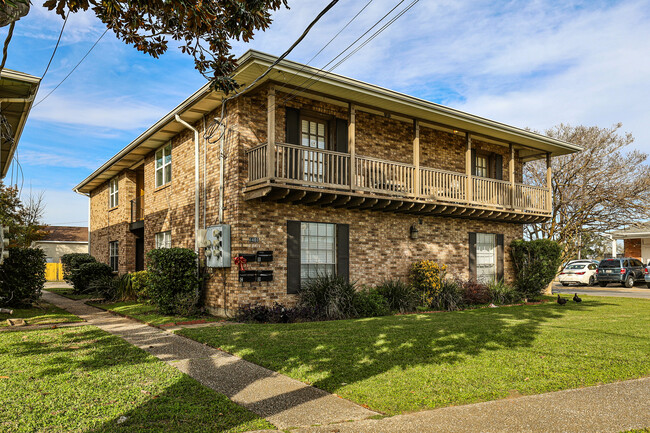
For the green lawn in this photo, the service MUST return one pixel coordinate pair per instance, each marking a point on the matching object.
(40, 314)
(413, 362)
(147, 313)
(85, 380)
(68, 292)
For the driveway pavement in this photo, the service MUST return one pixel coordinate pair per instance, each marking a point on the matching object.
(638, 291)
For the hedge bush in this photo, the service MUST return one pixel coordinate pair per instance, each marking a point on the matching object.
(370, 303)
(140, 285)
(535, 263)
(87, 272)
(173, 280)
(426, 278)
(73, 261)
(399, 295)
(276, 313)
(22, 277)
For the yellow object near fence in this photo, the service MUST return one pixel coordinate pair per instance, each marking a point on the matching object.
(54, 272)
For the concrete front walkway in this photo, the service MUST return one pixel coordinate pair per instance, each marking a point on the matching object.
(283, 401)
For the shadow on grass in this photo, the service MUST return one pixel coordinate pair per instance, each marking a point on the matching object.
(185, 406)
(338, 353)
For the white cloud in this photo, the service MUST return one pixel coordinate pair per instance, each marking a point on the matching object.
(116, 113)
(58, 158)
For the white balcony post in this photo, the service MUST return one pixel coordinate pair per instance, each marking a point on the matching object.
(270, 134)
(351, 146)
(468, 167)
(416, 158)
(511, 175)
(549, 204)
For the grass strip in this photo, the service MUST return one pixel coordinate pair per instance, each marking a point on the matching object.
(86, 380)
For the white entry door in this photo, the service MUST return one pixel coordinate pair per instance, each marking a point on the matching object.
(486, 257)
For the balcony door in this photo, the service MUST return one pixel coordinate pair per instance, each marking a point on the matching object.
(313, 136)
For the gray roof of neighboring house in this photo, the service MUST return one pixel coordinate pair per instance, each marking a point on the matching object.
(640, 230)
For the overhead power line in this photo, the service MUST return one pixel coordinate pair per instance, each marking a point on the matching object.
(56, 46)
(73, 69)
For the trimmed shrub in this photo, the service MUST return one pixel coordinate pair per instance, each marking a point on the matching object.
(329, 296)
(73, 261)
(502, 293)
(535, 263)
(474, 293)
(140, 284)
(399, 295)
(88, 272)
(370, 303)
(22, 277)
(105, 286)
(426, 278)
(173, 280)
(450, 296)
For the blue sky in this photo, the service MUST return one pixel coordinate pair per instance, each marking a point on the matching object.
(526, 63)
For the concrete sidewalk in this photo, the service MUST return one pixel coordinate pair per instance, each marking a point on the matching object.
(615, 407)
(283, 401)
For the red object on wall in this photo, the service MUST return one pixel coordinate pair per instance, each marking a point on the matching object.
(240, 261)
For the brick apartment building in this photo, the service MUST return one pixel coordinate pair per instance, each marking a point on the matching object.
(328, 173)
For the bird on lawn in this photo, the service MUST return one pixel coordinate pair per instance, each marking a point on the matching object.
(561, 300)
(577, 298)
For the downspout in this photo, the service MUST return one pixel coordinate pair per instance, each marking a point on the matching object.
(89, 208)
(196, 181)
(222, 156)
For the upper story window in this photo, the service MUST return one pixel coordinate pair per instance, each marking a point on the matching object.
(314, 133)
(164, 239)
(113, 194)
(164, 165)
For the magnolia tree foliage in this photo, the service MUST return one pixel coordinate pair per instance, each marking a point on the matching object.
(602, 188)
(202, 27)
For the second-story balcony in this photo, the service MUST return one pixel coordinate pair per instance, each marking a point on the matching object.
(300, 174)
(137, 209)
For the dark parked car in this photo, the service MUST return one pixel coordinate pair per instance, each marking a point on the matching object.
(626, 271)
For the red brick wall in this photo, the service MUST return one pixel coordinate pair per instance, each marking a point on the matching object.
(632, 248)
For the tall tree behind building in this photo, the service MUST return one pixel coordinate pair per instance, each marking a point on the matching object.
(602, 188)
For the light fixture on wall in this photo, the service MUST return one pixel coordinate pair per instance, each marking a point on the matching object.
(414, 231)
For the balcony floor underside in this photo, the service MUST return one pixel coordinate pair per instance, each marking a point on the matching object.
(286, 193)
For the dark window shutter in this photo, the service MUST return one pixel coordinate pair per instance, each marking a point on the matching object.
(473, 162)
(498, 166)
(292, 126)
(342, 135)
(343, 250)
(472, 256)
(293, 256)
(499, 257)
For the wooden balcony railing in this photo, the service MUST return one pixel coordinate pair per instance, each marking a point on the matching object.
(301, 165)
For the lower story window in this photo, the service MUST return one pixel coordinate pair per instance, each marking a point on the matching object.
(164, 239)
(113, 255)
(317, 250)
(486, 257)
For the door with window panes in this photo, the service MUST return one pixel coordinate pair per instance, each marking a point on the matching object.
(486, 257)
(313, 135)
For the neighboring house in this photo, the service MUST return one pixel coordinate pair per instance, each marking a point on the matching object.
(17, 91)
(636, 241)
(62, 240)
(330, 174)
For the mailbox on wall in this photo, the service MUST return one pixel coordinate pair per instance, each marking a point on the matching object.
(264, 256)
